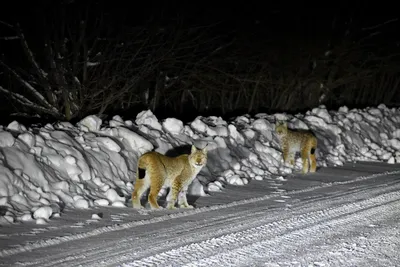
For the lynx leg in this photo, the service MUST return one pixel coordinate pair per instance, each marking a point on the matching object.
(182, 200)
(141, 185)
(304, 158)
(313, 161)
(157, 178)
(291, 158)
(175, 189)
(285, 152)
(153, 195)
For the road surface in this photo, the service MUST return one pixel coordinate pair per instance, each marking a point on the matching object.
(344, 216)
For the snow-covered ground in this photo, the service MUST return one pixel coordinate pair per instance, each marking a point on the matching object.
(53, 174)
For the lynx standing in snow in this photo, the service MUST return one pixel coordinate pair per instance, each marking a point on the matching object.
(297, 141)
(157, 170)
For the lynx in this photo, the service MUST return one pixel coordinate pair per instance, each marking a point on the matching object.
(156, 170)
(293, 141)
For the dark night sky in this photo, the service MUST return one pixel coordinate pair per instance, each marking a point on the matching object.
(252, 20)
(261, 19)
(280, 16)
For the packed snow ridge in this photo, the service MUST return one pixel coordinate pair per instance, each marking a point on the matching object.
(44, 169)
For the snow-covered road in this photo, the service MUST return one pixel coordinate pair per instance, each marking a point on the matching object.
(345, 216)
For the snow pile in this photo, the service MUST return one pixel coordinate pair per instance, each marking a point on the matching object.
(44, 169)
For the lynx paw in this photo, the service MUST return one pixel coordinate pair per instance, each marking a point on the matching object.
(138, 207)
(186, 206)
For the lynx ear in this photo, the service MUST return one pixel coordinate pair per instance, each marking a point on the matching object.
(194, 149)
(281, 123)
(204, 150)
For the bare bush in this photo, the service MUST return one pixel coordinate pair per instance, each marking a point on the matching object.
(79, 72)
(86, 66)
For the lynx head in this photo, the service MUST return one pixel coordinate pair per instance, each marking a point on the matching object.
(281, 128)
(198, 157)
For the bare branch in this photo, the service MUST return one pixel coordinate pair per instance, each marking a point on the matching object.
(42, 74)
(27, 85)
(7, 24)
(27, 103)
(27, 115)
(9, 38)
(380, 25)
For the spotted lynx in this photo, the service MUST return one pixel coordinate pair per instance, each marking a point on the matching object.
(293, 141)
(156, 170)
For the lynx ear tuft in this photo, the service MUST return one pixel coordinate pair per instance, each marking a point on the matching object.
(205, 149)
(194, 149)
(281, 123)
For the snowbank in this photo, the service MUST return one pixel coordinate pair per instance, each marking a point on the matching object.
(44, 169)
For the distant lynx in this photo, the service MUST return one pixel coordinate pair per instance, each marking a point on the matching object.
(293, 141)
(156, 170)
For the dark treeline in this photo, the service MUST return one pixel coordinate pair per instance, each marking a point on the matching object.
(63, 60)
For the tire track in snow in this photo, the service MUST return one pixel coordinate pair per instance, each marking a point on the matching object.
(233, 221)
(241, 248)
(171, 237)
(374, 247)
(118, 227)
(280, 248)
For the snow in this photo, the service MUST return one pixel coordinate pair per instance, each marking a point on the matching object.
(93, 163)
(48, 170)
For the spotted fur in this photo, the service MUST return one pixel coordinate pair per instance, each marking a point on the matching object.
(156, 170)
(293, 141)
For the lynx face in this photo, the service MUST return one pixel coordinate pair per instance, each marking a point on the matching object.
(198, 157)
(281, 130)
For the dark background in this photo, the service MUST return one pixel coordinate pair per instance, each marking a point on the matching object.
(228, 58)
